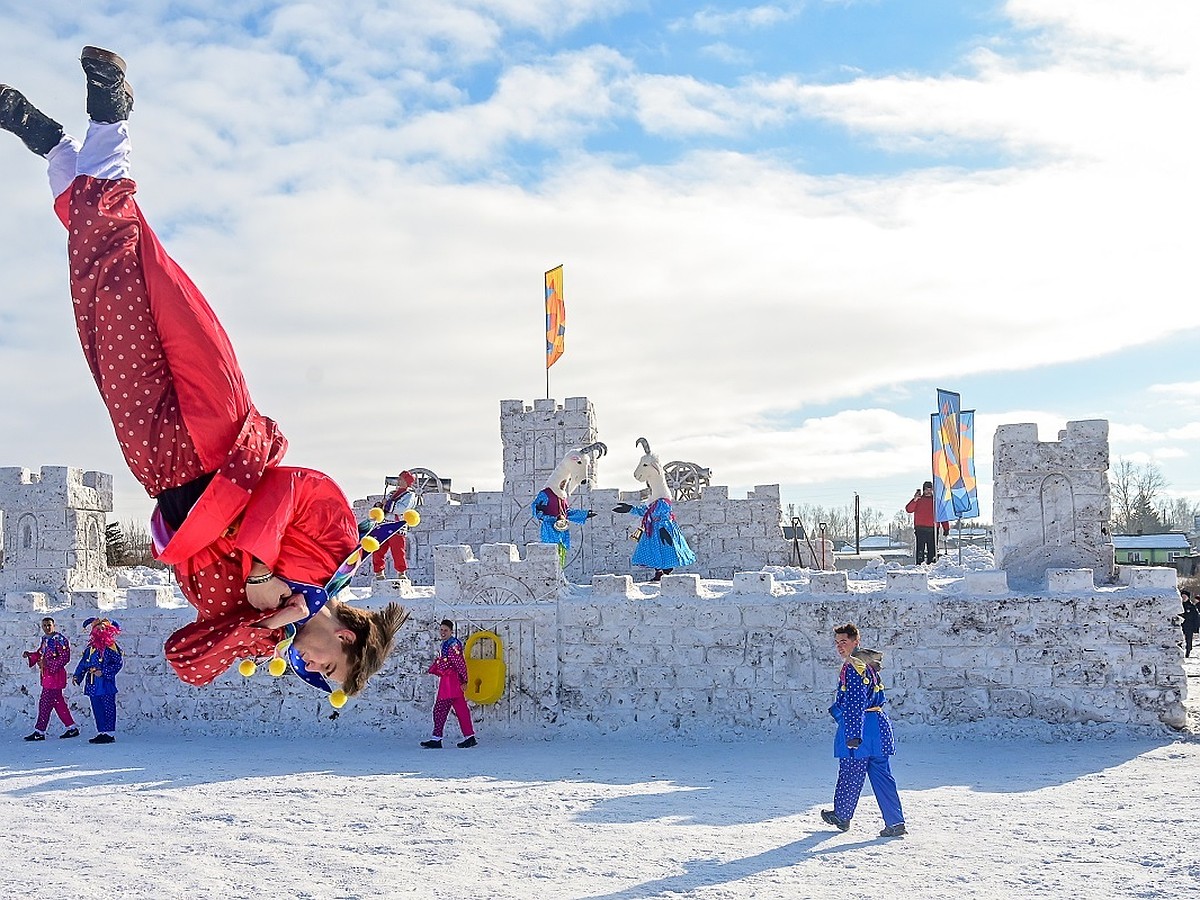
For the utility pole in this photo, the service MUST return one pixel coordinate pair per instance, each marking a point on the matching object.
(857, 544)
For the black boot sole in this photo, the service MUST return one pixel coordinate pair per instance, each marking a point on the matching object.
(36, 130)
(110, 98)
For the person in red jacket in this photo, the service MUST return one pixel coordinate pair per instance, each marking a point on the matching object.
(234, 523)
(922, 509)
(399, 501)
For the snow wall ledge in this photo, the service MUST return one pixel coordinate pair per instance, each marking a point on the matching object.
(751, 655)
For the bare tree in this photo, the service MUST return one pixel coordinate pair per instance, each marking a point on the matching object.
(1177, 514)
(129, 544)
(1135, 492)
(839, 521)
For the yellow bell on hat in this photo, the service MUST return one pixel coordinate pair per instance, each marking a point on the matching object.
(375, 514)
(412, 517)
(338, 698)
(370, 544)
(277, 666)
(247, 667)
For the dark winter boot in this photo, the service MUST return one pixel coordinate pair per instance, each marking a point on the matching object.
(37, 130)
(109, 98)
(35, 736)
(468, 742)
(897, 830)
(832, 818)
(432, 745)
(70, 732)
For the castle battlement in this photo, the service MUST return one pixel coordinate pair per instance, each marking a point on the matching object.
(1051, 501)
(53, 524)
(499, 576)
(77, 488)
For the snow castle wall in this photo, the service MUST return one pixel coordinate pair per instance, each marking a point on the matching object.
(749, 655)
(52, 534)
(1051, 503)
(728, 534)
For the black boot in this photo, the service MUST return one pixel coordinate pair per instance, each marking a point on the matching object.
(110, 98)
(831, 817)
(37, 130)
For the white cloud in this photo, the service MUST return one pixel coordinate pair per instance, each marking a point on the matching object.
(710, 21)
(707, 297)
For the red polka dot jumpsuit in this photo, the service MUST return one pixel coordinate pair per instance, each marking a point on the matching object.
(181, 412)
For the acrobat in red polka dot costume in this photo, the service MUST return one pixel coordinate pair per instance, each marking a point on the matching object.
(229, 517)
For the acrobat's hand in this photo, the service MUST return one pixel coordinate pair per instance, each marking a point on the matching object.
(622, 508)
(293, 610)
(271, 594)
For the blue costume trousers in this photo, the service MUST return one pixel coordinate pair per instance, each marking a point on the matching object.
(852, 773)
(104, 708)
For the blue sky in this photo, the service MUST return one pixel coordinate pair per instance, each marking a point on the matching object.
(784, 225)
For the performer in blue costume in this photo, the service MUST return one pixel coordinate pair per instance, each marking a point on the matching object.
(552, 505)
(97, 671)
(864, 738)
(661, 546)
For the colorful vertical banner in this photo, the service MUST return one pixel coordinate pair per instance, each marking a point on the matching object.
(556, 316)
(955, 495)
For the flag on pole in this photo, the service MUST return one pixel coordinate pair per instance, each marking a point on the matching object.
(953, 431)
(556, 316)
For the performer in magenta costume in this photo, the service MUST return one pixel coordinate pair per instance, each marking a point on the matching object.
(52, 655)
(451, 669)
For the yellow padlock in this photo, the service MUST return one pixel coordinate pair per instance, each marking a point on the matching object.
(485, 677)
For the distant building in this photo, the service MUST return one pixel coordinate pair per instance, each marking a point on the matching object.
(1150, 549)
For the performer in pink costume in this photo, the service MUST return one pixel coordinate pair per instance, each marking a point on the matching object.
(52, 656)
(451, 668)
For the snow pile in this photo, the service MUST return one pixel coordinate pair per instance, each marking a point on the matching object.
(141, 576)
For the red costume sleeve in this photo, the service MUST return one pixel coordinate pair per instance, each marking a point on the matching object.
(201, 651)
(299, 524)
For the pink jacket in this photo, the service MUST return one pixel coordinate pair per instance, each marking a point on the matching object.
(54, 653)
(451, 667)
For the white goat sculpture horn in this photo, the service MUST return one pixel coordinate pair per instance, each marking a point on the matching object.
(596, 450)
(644, 444)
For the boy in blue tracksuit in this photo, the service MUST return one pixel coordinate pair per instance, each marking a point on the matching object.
(97, 672)
(864, 738)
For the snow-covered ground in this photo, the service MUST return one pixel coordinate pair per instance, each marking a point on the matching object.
(1053, 813)
(996, 810)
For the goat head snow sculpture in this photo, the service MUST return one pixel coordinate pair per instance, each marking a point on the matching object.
(661, 546)
(552, 507)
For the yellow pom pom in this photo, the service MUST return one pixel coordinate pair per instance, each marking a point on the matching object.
(412, 517)
(338, 699)
(247, 667)
(370, 544)
(277, 667)
(375, 514)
